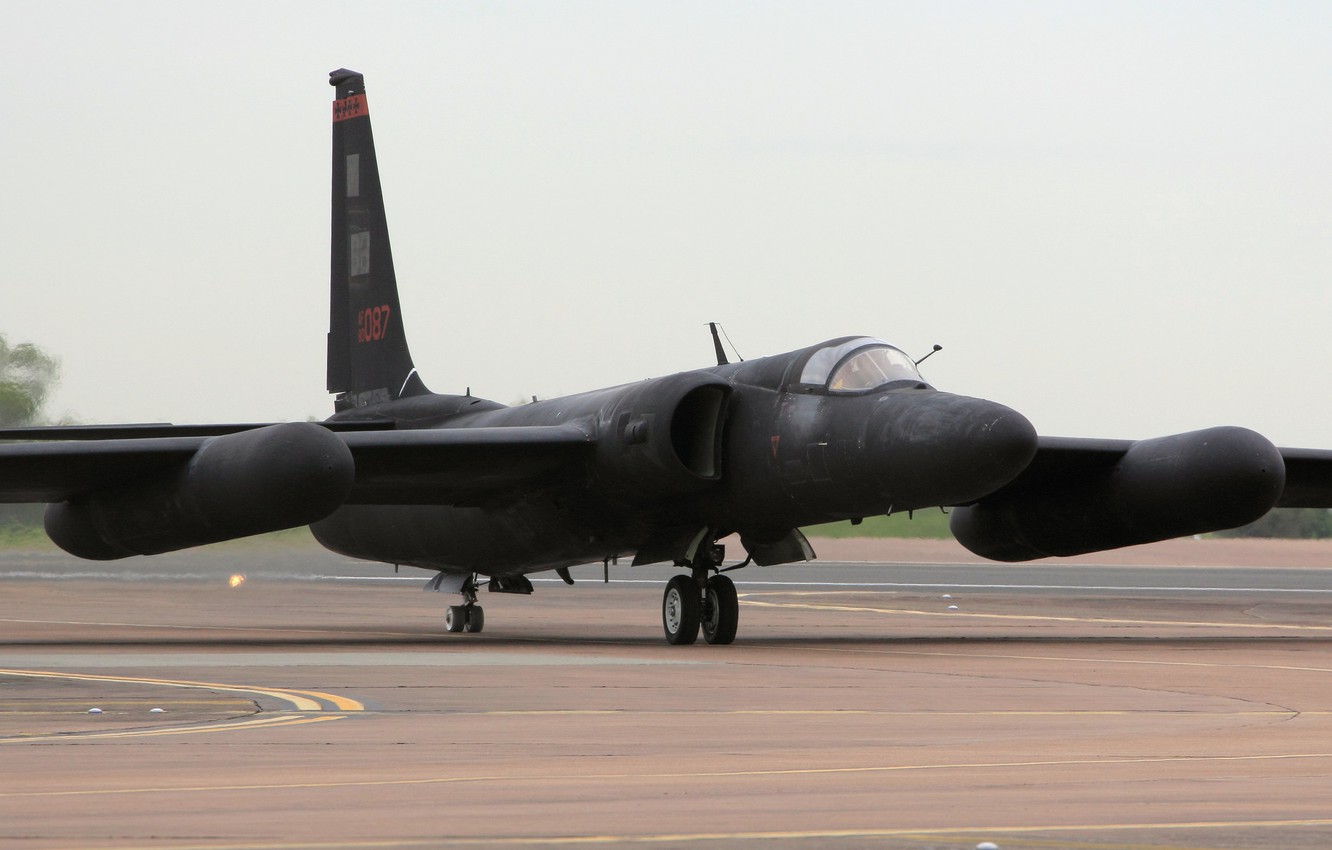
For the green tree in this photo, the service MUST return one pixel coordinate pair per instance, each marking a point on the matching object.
(27, 376)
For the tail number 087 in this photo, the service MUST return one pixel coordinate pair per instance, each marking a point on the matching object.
(372, 323)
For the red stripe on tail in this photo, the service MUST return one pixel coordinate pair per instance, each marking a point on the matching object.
(350, 107)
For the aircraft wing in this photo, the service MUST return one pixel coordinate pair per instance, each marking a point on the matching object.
(59, 471)
(1087, 495)
(145, 430)
(1061, 460)
(436, 466)
(454, 466)
(1308, 479)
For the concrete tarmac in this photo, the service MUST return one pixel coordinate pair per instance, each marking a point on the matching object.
(320, 704)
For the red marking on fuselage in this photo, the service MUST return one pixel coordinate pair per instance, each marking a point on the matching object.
(350, 107)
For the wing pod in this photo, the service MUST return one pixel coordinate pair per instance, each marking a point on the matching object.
(665, 437)
(280, 476)
(1083, 496)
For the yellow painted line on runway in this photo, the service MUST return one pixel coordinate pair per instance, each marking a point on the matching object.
(1064, 659)
(1069, 713)
(566, 779)
(964, 834)
(264, 722)
(200, 628)
(852, 712)
(340, 703)
(302, 701)
(80, 704)
(861, 609)
(546, 712)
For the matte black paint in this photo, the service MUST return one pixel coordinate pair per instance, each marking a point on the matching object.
(271, 478)
(657, 469)
(833, 457)
(1157, 489)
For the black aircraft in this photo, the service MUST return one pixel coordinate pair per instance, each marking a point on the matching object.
(658, 470)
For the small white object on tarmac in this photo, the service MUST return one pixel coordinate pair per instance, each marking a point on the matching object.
(987, 845)
(94, 711)
(948, 596)
(156, 710)
(952, 607)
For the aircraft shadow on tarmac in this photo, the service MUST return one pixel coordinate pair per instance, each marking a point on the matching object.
(370, 639)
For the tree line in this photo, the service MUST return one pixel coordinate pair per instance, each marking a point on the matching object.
(1301, 523)
(28, 375)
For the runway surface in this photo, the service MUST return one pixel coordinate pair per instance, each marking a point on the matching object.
(320, 704)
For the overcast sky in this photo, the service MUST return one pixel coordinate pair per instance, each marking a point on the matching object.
(1115, 217)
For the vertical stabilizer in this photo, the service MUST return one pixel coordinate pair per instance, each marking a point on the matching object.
(368, 360)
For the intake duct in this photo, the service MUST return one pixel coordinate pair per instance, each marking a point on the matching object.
(1158, 489)
(265, 479)
(665, 437)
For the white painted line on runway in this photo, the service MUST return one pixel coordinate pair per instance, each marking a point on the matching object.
(742, 582)
(886, 585)
(1114, 621)
(907, 585)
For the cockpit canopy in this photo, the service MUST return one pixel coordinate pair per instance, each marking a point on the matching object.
(857, 365)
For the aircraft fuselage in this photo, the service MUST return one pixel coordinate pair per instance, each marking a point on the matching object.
(740, 448)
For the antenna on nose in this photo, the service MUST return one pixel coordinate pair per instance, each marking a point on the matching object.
(936, 348)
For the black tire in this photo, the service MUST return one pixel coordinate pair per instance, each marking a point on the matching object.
(455, 618)
(723, 611)
(681, 610)
(476, 619)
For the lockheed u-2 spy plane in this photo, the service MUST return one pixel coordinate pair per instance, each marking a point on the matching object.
(657, 470)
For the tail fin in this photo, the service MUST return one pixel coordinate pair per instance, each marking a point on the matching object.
(368, 360)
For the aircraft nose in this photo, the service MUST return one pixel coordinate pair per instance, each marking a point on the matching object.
(933, 448)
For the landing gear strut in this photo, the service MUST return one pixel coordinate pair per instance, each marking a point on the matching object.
(467, 617)
(697, 600)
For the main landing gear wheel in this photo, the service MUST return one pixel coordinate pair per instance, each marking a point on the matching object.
(682, 610)
(476, 619)
(464, 618)
(721, 610)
